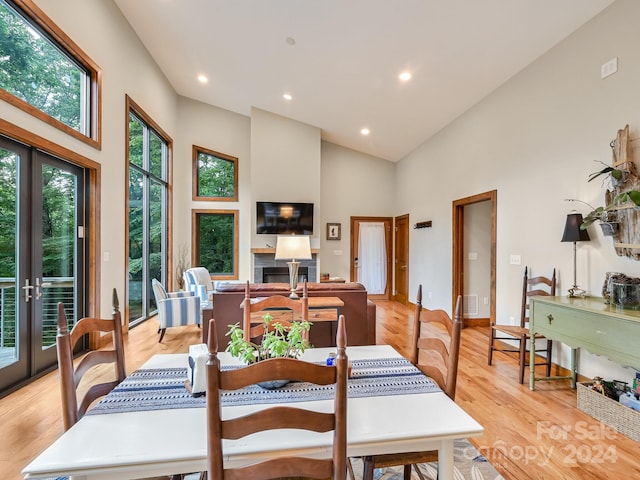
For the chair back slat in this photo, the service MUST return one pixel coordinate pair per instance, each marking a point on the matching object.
(277, 418)
(532, 287)
(437, 336)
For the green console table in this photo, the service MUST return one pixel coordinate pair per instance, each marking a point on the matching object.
(586, 323)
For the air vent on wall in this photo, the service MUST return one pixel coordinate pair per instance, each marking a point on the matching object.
(470, 304)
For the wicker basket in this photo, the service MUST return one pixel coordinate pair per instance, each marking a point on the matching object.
(620, 417)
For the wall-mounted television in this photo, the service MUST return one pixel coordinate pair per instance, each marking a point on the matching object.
(284, 218)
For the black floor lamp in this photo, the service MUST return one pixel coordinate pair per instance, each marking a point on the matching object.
(573, 233)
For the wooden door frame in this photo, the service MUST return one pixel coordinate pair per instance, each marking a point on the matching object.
(395, 256)
(458, 248)
(92, 194)
(388, 247)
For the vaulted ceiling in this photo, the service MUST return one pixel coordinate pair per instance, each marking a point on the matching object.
(340, 59)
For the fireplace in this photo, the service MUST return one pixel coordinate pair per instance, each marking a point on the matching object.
(281, 274)
(278, 271)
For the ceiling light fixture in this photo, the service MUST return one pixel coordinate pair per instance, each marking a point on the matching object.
(405, 76)
(202, 79)
(287, 96)
(290, 40)
(365, 131)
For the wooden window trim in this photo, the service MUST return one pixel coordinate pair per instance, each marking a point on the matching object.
(94, 139)
(131, 106)
(194, 182)
(195, 254)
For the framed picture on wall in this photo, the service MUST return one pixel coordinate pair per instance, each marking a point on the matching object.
(333, 231)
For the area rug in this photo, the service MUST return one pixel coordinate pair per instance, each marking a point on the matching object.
(469, 464)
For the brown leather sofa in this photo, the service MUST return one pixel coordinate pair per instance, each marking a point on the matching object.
(358, 311)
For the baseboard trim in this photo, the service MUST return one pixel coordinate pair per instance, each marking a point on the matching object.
(556, 370)
(476, 322)
(466, 322)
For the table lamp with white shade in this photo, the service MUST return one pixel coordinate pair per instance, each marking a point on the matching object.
(293, 247)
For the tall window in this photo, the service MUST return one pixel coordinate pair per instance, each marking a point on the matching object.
(215, 242)
(215, 176)
(45, 74)
(149, 156)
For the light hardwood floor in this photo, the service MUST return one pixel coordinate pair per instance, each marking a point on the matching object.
(528, 435)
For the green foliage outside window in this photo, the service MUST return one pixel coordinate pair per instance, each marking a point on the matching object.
(58, 232)
(8, 217)
(33, 69)
(147, 214)
(216, 175)
(216, 241)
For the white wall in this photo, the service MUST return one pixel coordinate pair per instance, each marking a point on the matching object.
(224, 132)
(535, 140)
(353, 184)
(285, 166)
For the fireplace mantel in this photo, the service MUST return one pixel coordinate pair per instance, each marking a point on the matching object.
(273, 250)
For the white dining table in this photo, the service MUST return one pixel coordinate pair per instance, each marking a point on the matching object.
(162, 442)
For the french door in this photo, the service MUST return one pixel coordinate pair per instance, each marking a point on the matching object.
(42, 256)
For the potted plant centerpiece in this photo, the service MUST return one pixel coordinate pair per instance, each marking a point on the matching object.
(276, 341)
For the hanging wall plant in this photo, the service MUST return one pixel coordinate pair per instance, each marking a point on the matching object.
(632, 196)
(616, 176)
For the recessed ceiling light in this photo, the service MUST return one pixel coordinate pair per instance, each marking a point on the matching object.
(365, 131)
(202, 79)
(287, 96)
(290, 40)
(405, 76)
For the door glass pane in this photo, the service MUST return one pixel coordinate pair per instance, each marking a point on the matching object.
(58, 249)
(136, 216)
(8, 257)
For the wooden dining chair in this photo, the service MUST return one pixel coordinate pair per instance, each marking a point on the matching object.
(278, 417)
(520, 334)
(72, 409)
(436, 348)
(284, 310)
